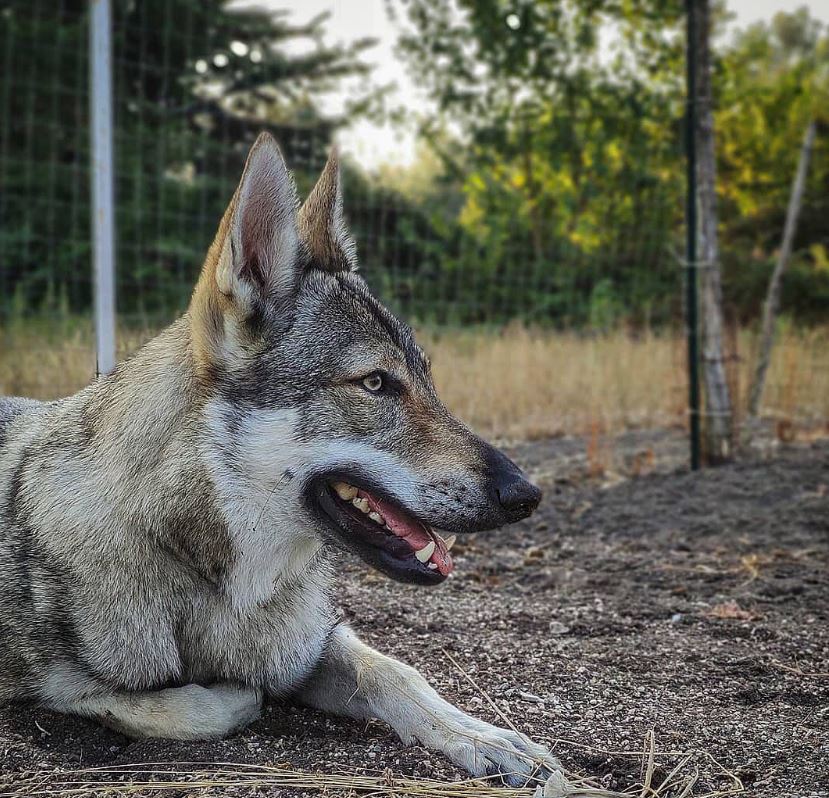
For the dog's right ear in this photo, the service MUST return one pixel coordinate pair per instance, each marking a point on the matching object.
(321, 224)
(259, 257)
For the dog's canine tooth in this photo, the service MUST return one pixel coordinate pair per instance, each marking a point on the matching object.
(432, 566)
(360, 504)
(450, 541)
(426, 552)
(376, 517)
(345, 491)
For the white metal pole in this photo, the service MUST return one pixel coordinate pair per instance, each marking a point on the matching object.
(102, 179)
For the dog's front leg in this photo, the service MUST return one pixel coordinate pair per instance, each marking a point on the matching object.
(354, 679)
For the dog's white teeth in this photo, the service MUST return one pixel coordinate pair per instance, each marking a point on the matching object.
(426, 552)
(345, 491)
(361, 504)
(450, 541)
(432, 566)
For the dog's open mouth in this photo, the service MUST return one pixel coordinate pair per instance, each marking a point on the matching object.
(385, 535)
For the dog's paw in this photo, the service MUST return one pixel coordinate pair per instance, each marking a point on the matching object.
(213, 712)
(237, 706)
(487, 750)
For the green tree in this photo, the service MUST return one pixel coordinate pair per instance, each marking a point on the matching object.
(558, 123)
(567, 115)
(195, 80)
(773, 79)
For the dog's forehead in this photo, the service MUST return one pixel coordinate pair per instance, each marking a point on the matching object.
(340, 311)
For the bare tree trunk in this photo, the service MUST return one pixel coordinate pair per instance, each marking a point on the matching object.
(772, 305)
(718, 414)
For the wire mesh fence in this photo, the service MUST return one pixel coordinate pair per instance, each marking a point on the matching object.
(583, 242)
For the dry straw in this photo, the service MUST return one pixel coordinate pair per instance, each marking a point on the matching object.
(200, 779)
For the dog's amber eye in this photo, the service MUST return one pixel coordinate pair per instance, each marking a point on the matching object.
(374, 382)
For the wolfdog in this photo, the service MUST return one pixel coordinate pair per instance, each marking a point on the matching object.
(166, 534)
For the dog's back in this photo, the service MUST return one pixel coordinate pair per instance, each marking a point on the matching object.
(10, 408)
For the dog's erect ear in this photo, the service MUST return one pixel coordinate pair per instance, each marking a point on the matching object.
(260, 256)
(321, 225)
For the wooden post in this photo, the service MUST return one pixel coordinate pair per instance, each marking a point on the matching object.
(691, 300)
(772, 305)
(718, 434)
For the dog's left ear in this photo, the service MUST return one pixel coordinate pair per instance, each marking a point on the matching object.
(321, 225)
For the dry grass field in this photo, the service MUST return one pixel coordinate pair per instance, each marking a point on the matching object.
(513, 383)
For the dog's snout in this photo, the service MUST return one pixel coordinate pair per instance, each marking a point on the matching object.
(514, 494)
(517, 496)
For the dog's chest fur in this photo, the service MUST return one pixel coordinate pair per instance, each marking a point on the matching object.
(276, 643)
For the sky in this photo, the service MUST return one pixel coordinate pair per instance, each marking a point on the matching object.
(372, 144)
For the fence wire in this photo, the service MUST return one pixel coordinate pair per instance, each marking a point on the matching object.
(585, 240)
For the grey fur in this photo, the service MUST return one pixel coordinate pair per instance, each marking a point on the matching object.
(160, 566)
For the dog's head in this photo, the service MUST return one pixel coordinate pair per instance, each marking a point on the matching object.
(322, 402)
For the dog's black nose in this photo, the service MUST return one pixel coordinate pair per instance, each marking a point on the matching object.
(517, 496)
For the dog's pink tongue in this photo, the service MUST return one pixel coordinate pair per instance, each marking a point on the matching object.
(412, 531)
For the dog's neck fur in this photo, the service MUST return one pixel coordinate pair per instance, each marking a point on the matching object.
(203, 510)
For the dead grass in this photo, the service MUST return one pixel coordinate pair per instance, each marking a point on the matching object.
(521, 383)
(207, 779)
(514, 383)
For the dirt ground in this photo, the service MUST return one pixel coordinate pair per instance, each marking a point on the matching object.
(645, 600)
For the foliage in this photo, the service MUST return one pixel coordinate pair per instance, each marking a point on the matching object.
(571, 166)
(567, 117)
(550, 184)
(772, 80)
(195, 80)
